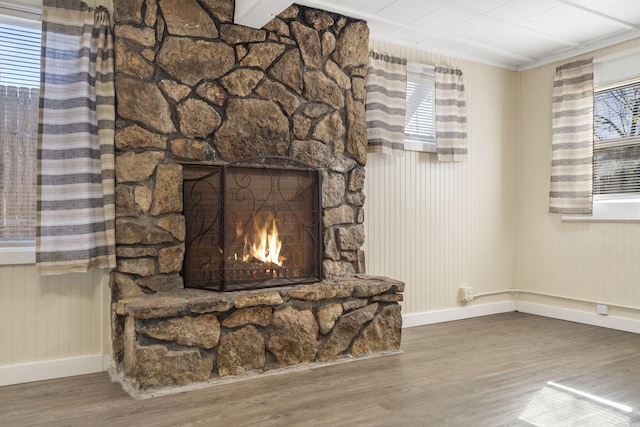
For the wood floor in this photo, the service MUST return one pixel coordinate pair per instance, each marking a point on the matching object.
(489, 371)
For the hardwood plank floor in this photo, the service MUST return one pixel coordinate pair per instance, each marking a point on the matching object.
(488, 371)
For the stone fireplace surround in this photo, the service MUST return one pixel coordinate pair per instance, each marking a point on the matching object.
(192, 87)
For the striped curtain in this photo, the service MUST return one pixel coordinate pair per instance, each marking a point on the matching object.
(76, 204)
(451, 115)
(386, 103)
(571, 190)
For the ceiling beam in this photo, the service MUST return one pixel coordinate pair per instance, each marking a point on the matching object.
(257, 13)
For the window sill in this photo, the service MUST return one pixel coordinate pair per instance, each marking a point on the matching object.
(421, 147)
(18, 252)
(614, 210)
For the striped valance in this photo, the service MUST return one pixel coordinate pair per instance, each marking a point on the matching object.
(571, 189)
(76, 203)
(451, 114)
(386, 103)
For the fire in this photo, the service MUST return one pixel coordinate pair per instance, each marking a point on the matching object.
(267, 245)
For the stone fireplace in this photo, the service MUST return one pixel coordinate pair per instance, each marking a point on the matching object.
(198, 95)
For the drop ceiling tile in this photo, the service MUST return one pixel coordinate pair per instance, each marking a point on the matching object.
(370, 6)
(474, 27)
(406, 11)
(517, 10)
(628, 11)
(598, 5)
(442, 19)
(482, 6)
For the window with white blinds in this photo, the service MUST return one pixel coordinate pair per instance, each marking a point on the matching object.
(616, 159)
(420, 123)
(19, 97)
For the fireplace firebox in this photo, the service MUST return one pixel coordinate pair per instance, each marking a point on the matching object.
(252, 224)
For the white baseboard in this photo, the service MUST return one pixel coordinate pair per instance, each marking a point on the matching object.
(459, 313)
(50, 369)
(611, 322)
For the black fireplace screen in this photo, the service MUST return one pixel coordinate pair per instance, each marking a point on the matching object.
(252, 224)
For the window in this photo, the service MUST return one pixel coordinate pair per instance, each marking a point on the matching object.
(616, 135)
(420, 125)
(19, 97)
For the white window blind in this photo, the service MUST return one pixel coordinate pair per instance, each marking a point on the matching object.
(616, 159)
(19, 93)
(420, 124)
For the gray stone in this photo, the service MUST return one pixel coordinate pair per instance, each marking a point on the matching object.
(320, 291)
(123, 286)
(356, 130)
(309, 43)
(340, 215)
(256, 298)
(241, 351)
(317, 19)
(294, 336)
(167, 191)
(354, 304)
(370, 288)
(356, 179)
(191, 61)
(200, 331)
(327, 317)
(241, 81)
(333, 190)
(212, 93)
(170, 259)
(382, 334)
(351, 237)
(133, 137)
(262, 55)
(340, 77)
(129, 61)
(197, 118)
(278, 26)
(331, 245)
(234, 34)
(345, 331)
(278, 92)
(125, 205)
(254, 127)
(288, 70)
(341, 164)
(356, 199)
(222, 10)
(157, 366)
(186, 18)
(352, 45)
(329, 128)
(136, 167)
(315, 110)
(142, 36)
(312, 152)
(161, 283)
(328, 43)
(253, 315)
(301, 126)
(191, 149)
(143, 102)
(319, 88)
(130, 231)
(174, 224)
(174, 90)
(139, 266)
(142, 195)
(127, 11)
(135, 251)
(332, 268)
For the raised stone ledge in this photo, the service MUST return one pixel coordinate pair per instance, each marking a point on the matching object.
(187, 336)
(198, 301)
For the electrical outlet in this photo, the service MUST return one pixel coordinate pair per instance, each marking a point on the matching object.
(602, 309)
(466, 293)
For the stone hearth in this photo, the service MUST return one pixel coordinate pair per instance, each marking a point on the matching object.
(192, 87)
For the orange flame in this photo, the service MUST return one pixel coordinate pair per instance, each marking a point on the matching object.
(267, 246)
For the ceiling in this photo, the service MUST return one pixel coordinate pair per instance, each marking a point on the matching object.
(513, 34)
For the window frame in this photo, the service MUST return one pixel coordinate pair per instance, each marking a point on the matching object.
(26, 14)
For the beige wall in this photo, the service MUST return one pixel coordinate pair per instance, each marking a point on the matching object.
(438, 226)
(581, 260)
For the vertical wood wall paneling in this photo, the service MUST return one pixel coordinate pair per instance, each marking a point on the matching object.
(438, 226)
(53, 317)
